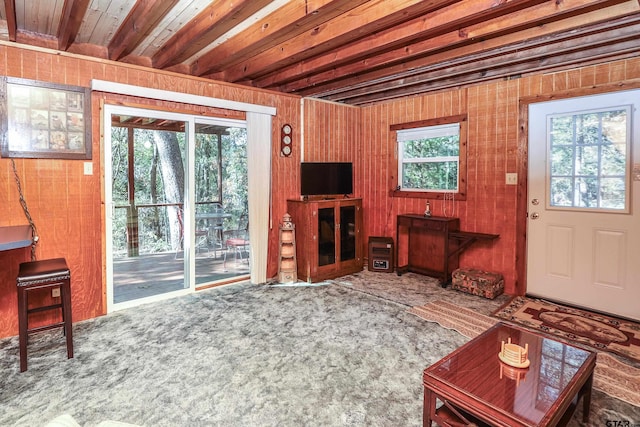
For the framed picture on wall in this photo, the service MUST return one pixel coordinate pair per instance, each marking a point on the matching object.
(44, 120)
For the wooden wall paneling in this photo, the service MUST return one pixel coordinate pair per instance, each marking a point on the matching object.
(379, 162)
(387, 143)
(332, 131)
(343, 147)
(504, 257)
(318, 133)
(494, 149)
(617, 73)
(44, 70)
(574, 79)
(285, 174)
(474, 127)
(29, 70)
(67, 205)
(632, 69)
(365, 162)
(546, 85)
(560, 82)
(589, 76)
(485, 220)
(602, 74)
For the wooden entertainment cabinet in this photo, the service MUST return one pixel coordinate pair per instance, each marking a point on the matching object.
(329, 237)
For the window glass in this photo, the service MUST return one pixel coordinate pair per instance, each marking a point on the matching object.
(588, 157)
(429, 158)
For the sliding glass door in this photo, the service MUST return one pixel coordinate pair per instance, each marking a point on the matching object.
(168, 211)
(221, 204)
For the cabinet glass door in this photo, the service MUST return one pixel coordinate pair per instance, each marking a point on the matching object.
(326, 236)
(347, 233)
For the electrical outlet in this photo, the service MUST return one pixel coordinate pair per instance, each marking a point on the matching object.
(511, 179)
(88, 168)
(55, 293)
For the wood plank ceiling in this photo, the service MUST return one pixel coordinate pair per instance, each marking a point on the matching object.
(351, 51)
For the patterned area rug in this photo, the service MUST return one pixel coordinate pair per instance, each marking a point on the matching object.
(613, 377)
(598, 331)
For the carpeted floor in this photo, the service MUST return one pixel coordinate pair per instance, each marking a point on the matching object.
(334, 355)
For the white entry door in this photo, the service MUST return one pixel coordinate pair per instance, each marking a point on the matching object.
(583, 227)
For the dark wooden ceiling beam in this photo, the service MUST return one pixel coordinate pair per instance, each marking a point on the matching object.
(368, 18)
(432, 24)
(512, 61)
(10, 12)
(70, 20)
(352, 51)
(214, 21)
(291, 20)
(493, 48)
(535, 22)
(581, 57)
(143, 17)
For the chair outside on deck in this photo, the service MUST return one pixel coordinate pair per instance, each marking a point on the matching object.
(237, 241)
(202, 235)
(217, 228)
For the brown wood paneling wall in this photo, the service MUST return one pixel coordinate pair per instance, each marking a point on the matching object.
(493, 150)
(330, 131)
(67, 206)
(378, 162)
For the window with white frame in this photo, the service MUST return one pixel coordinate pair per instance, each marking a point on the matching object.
(429, 157)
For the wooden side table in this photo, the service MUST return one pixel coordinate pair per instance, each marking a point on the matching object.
(429, 246)
(476, 387)
(435, 244)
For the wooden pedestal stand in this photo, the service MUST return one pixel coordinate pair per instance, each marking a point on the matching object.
(287, 265)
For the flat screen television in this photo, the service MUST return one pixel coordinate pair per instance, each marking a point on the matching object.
(326, 178)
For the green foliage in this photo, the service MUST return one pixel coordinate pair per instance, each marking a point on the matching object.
(431, 163)
(432, 175)
(443, 146)
(588, 155)
(154, 222)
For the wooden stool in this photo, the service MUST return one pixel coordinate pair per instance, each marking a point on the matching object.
(38, 275)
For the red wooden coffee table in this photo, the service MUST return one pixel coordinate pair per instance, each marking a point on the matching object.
(476, 387)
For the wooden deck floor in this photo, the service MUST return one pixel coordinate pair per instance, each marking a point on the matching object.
(148, 275)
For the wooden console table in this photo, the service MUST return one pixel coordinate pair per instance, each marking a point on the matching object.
(434, 244)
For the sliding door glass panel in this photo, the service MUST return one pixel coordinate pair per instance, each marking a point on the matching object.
(148, 212)
(221, 201)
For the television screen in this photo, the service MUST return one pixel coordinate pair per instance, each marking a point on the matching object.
(326, 178)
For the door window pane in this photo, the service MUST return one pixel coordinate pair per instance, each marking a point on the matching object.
(588, 159)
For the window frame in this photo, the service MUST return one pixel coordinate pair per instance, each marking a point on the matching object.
(461, 194)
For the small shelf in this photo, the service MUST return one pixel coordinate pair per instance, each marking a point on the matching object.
(14, 237)
(287, 264)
